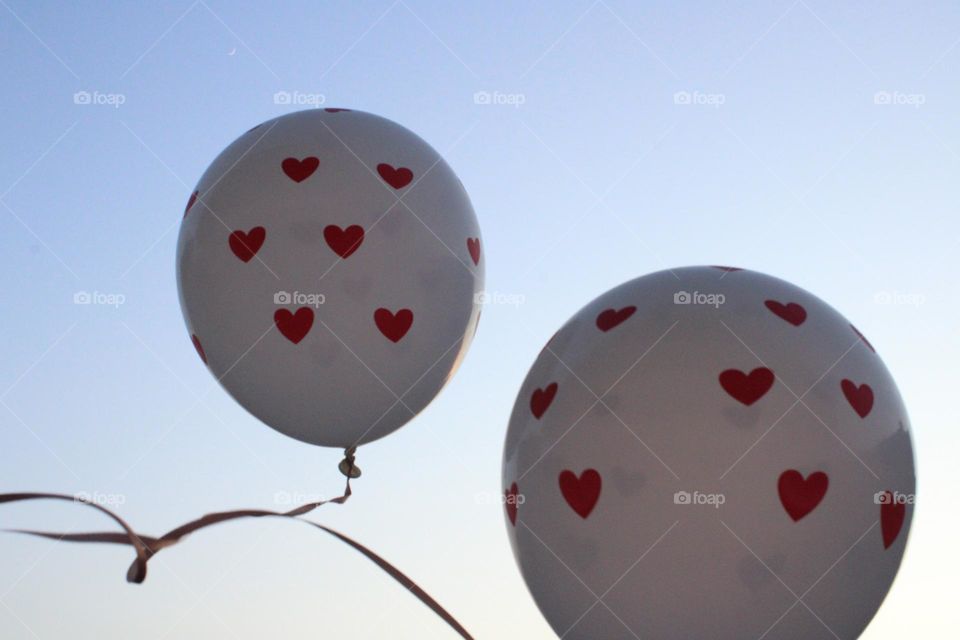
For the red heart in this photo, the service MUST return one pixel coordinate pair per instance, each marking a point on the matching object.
(862, 337)
(199, 348)
(541, 399)
(798, 496)
(473, 246)
(610, 318)
(193, 198)
(892, 514)
(393, 325)
(747, 388)
(860, 398)
(791, 312)
(246, 245)
(583, 493)
(510, 500)
(343, 241)
(396, 178)
(300, 170)
(294, 326)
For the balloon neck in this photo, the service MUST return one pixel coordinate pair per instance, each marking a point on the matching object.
(348, 466)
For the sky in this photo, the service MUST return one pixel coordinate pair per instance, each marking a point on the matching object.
(814, 141)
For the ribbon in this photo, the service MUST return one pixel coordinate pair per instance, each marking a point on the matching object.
(147, 546)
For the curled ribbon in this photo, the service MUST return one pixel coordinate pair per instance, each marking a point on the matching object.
(147, 546)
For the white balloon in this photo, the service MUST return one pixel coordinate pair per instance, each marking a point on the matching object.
(708, 453)
(328, 267)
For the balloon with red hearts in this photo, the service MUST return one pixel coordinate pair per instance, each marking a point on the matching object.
(328, 265)
(708, 452)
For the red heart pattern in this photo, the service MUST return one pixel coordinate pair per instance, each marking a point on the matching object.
(892, 514)
(393, 325)
(300, 170)
(397, 178)
(583, 493)
(294, 326)
(747, 388)
(473, 246)
(610, 318)
(791, 312)
(198, 347)
(800, 496)
(859, 397)
(510, 501)
(862, 337)
(246, 245)
(193, 199)
(344, 242)
(541, 399)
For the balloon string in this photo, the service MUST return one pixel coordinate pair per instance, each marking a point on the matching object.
(138, 570)
(147, 546)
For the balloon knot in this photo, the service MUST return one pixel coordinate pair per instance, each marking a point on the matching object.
(348, 466)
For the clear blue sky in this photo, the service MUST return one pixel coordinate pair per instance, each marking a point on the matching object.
(820, 144)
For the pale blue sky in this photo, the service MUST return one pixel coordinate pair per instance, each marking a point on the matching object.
(821, 145)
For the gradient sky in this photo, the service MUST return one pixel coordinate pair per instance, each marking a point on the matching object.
(584, 173)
